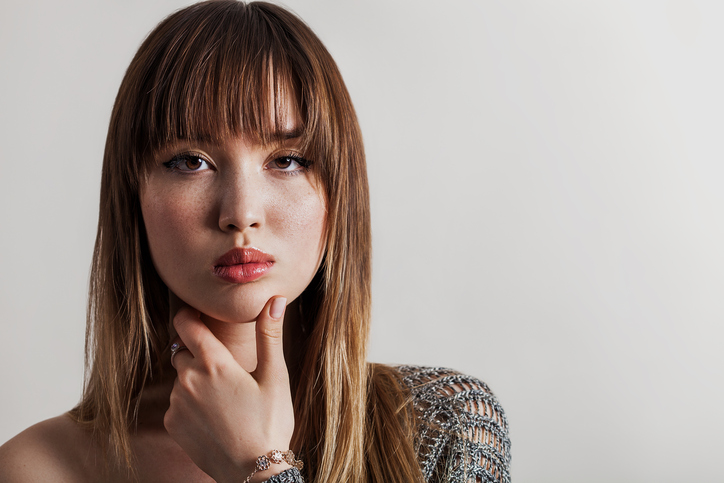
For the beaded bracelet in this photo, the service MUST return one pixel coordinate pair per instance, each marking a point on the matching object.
(263, 462)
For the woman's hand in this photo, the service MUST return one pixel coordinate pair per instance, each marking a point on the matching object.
(221, 415)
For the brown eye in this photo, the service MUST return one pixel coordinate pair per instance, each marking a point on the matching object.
(187, 163)
(283, 163)
(289, 164)
(193, 163)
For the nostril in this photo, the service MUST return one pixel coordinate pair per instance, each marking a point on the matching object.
(239, 214)
(237, 227)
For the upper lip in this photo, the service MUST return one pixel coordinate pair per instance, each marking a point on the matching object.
(238, 255)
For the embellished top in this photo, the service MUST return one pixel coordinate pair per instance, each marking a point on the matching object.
(462, 429)
(462, 434)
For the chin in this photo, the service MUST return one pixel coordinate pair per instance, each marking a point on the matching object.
(236, 304)
(233, 311)
(233, 315)
(233, 307)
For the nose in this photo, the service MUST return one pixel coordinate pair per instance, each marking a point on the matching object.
(241, 204)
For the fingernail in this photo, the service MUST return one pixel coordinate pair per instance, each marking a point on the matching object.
(277, 307)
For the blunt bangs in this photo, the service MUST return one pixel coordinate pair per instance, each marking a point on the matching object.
(221, 69)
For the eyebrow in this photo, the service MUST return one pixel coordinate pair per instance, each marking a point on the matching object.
(288, 134)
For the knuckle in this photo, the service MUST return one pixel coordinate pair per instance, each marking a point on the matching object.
(182, 317)
(217, 369)
(206, 366)
(179, 323)
(185, 382)
(272, 333)
(168, 420)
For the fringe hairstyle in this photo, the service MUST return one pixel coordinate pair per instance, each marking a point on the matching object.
(213, 70)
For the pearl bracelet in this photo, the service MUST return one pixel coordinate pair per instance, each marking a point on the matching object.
(275, 456)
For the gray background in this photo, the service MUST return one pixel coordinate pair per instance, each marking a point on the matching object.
(547, 200)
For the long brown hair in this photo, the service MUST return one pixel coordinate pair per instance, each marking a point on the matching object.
(210, 71)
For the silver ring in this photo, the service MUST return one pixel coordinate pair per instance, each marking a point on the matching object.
(175, 349)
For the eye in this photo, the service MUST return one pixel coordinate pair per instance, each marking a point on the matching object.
(187, 162)
(289, 164)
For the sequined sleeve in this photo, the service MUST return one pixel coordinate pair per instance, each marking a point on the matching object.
(462, 429)
(291, 475)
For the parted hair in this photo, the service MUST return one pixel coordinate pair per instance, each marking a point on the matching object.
(207, 72)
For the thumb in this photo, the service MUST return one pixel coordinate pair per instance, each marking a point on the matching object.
(269, 351)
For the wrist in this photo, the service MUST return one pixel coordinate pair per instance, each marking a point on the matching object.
(261, 476)
(272, 463)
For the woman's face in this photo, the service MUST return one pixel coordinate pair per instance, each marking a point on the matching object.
(230, 225)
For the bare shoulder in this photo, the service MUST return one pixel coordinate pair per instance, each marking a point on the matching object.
(55, 450)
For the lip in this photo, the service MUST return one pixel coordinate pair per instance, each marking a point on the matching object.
(243, 265)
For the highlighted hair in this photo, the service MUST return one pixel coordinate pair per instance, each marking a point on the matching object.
(207, 72)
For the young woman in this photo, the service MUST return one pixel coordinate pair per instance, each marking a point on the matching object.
(230, 288)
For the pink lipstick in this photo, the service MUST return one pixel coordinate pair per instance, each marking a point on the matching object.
(243, 265)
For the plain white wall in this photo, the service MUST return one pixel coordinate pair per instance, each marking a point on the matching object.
(547, 201)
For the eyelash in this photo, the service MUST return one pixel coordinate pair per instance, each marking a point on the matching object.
(304, 164)
(174, 163)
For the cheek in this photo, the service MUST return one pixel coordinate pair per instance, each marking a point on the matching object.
(302, 218)
(172, 222)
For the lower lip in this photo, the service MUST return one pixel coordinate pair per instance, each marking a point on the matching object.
(243, 272)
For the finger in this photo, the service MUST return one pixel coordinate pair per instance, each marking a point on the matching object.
(199, 340)
(269, 350)
(171, 418)
(180, 354)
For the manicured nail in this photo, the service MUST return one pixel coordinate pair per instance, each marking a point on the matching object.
(277, 307)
